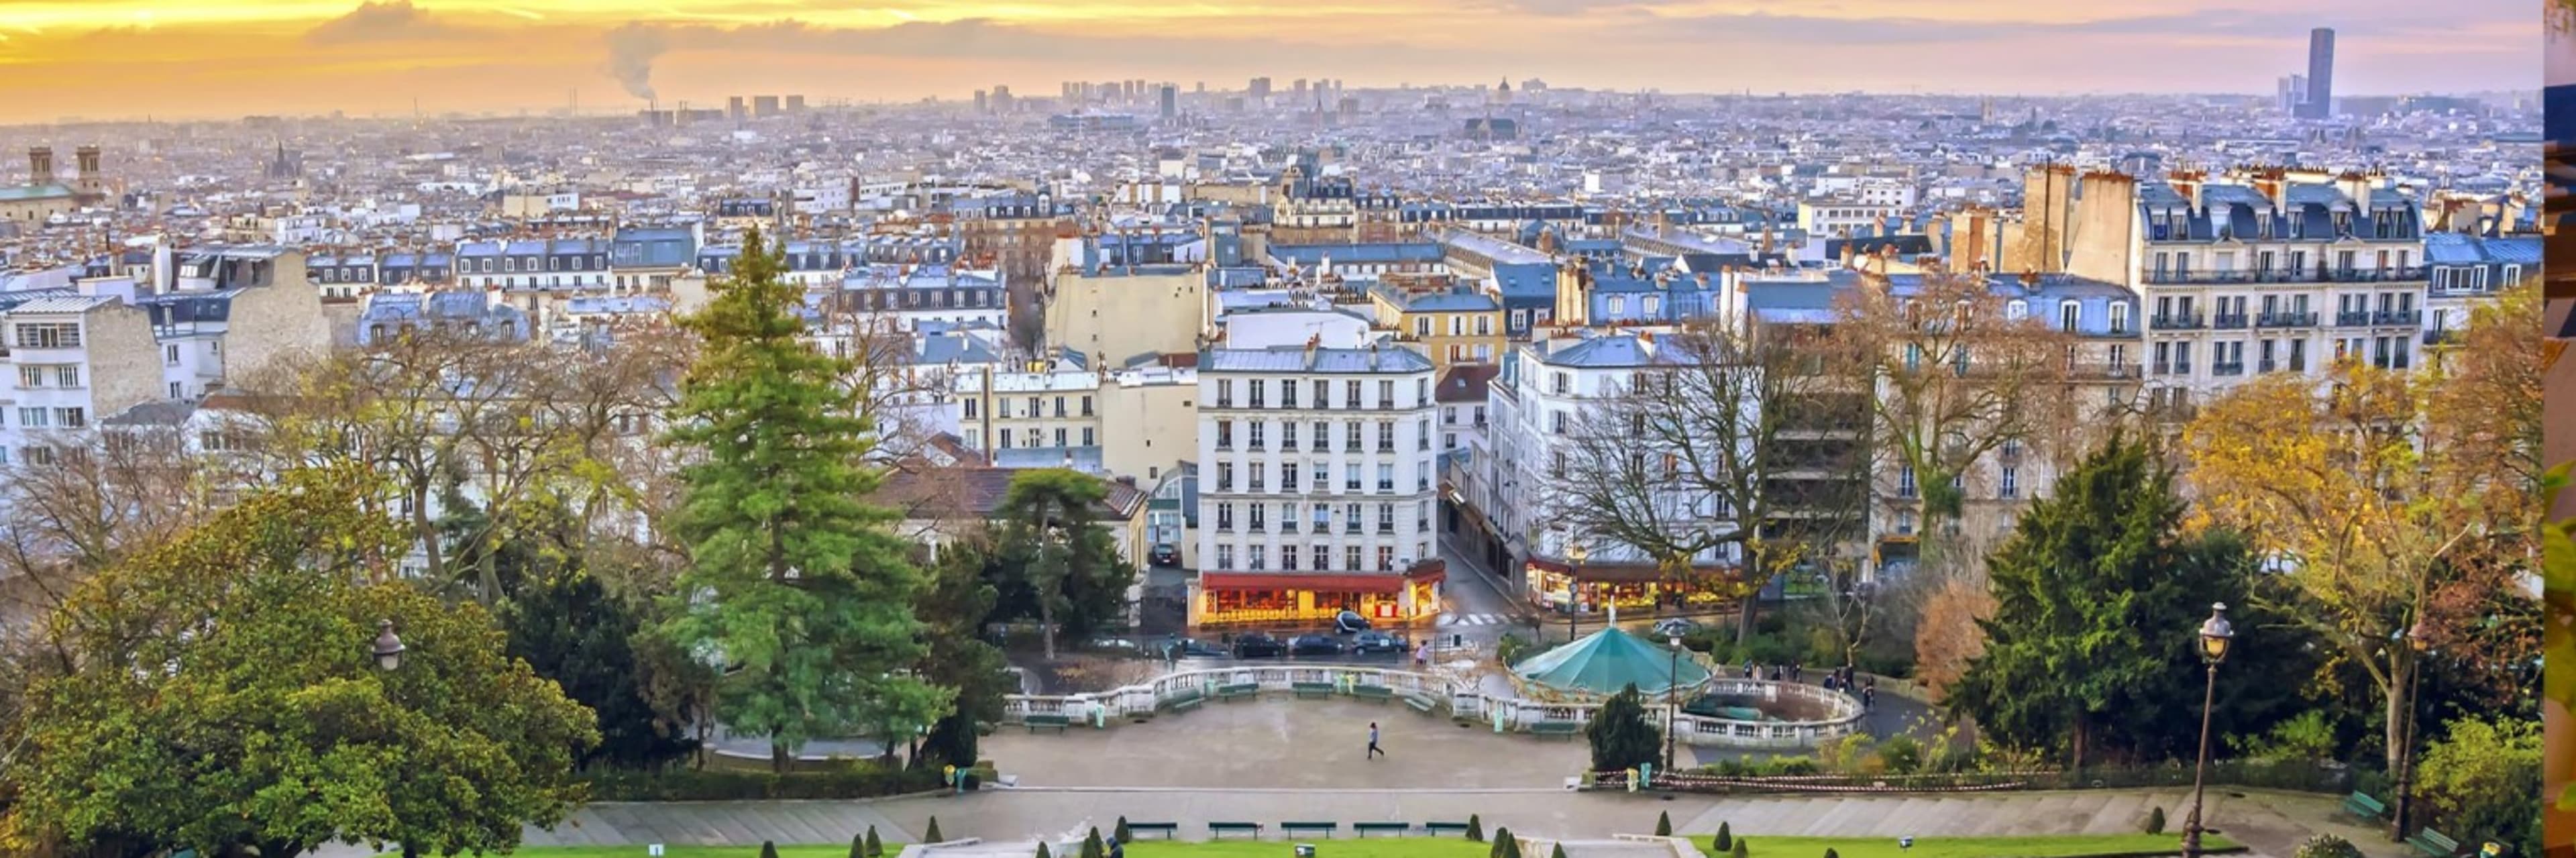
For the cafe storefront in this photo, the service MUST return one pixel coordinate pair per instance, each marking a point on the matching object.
(1631, 587)
(1292, 598)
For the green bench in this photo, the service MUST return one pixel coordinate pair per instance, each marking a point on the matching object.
(1363, 828)
(1291, 828)
(1312, 689)
(1218, 830)
(1043, 721)
(1439, 828)
(1185, 701)
(2434, 844)
(2364, 807)
(1169, 829)
(1420, 703)
(1378, 693)
(1235, 690)
(1565, 729)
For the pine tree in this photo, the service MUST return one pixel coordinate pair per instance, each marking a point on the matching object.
(859, 844)
(2156, 820)
(1475, 828)
(1121, 832)
(1042, 850)
(876, 848)
(1502, 843)
(1560, 850)
(1725, 836)
(1620, 735)
(1743, 847)
(1091, 845)
(768, 849)
(930, 834)
(1830, 853)
(794, 580)
(1664, 824)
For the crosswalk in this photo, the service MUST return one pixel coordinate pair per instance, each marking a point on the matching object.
(1475, 619)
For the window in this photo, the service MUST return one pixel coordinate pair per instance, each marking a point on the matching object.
(1259, 563)
(1288, 435)
(1351, 437)
(1033, 408)
(68, 375)
(1225, 393)
(1288, 558)
(31, 376)
(1560, 383)
(970, 409)
(1225, 516)
(1905, 482)
(1485, 325)
(1258, 386)
(170, 356)
(2068, 312)
(1386, 520)
(1556, 422)
(1059, 437)
(57, 335)
(1422, 438)
(1059, 405)
(1421, 392)
(1323, 397)
(1618, 305)
(1385, 477)
(1351, 558)
(33, 418)
(1422, 326)
(1224, 476)
(1006, 439)
(1385, 394)
(1386, 558)
(1386, 436)
(2011, 483)
(1288, 482)
(2119, 318)
(1224, 556)
(1287, 396)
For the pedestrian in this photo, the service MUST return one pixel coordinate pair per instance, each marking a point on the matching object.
(1869, 695)
(1374, 751)
(1117, 849)
(1797, 672)
(1748, 668)
(1775, 673)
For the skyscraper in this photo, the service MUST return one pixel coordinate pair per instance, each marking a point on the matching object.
(1171, 100)
(2320, 103)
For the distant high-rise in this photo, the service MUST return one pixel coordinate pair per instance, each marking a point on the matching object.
(2293, 92)
(983, 102)
(1260, 88)
(1171, 98)
(764, 106)
(734, 108)
(795, 104)
(1002, 99)
(2320, 103)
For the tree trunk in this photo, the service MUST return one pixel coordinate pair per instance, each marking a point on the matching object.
(1046, 613)
(427, 532)
(778, 757)
(2398, 706)
(2083, 729)
(1745, 618)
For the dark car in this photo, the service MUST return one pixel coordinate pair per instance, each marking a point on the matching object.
(1347, 622)
(1164, 554)
(1195, 648)
(1370, 642)
(1314, 645)
(1257, 645)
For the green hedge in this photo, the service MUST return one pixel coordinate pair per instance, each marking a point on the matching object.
(1794, 774)
(708, 785)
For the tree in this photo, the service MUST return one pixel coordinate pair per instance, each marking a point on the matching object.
(1068, 564)
(2380, 527)
(875, 847)
(1120, 831)
(794, 581)
(226, 698)
(2483, 781)
(1725, 836)
(1950, 634)
(1620, 735)
(953, 612)
(768, 849)
(567, 627)
(1475, 827)
(1092, 847)
(2098, 595)
(1664, 824)
(859, 844)
(1683, 462)
(930, 833)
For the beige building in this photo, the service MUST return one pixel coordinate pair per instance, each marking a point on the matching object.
(1114, 314)
(1148, 420)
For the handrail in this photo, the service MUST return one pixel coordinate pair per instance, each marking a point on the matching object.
(1105, 709)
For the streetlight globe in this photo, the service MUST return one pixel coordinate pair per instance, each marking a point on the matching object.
(2420, 636)
(389, 647)
(1578, 553)
(2216, 634)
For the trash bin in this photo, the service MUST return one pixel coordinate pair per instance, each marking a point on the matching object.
(1305, 850)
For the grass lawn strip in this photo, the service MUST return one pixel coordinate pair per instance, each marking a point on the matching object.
(1341, 846)
(678, 851)
(2065, 846)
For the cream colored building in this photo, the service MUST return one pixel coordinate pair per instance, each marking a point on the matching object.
(1117, 313)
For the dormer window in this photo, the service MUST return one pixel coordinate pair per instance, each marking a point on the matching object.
(2068, 312)
(2017, 310)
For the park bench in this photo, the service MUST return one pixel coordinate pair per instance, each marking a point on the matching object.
(1043, 721)
(1420, 703)
(1234, 690)
(1378, 693)
(1436, 829)
(1312, 689)
(1218, 830)
(1565, 729)
(2434, 844)
(1185, 700)
(1291, 828)
(1169, 829)
(1363, 828)
(2364, 807)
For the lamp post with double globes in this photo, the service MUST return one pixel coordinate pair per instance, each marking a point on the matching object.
(2215, 637)
(1574, 555)
(2419, 638)
(1672, 701)
(388, 651)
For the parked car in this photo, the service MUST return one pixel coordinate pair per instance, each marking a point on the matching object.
(1369, 642)
(1348, 622)
(1314, 645)
(1195, 648)
(1257, 645)
(1164, 554)
(1673, 627)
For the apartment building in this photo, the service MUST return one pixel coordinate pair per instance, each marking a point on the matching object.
(1316, 485)
(534, 265)
(1452, 326)
(1118, 313)
(1053, 403)
(71, 359)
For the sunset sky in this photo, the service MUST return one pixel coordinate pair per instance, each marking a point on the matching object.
(127, 58)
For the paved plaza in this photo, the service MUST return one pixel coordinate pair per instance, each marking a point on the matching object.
(1278, 741)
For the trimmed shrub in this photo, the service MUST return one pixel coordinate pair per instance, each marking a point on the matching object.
(1091, 845)
(1560, 851)
(1664, 824)
(859, 844)
(859, 781)
(1121, 831)
(1743, 847)
(1042, 850)
(2156, 821)
(768, 849)
(931, 833)
(1475, 828)
(876, 848)
(1502, 843)
(2327, 846)
(1725, 836)
(1830, 853)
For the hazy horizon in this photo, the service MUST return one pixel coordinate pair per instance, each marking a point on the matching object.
(108, 60)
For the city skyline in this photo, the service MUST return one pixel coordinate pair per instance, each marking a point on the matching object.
(125, 59)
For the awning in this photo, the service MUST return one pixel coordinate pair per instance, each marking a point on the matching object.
(1621, 573)
(1387, 583)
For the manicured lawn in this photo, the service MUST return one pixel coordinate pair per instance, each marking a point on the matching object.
(678, 851)
(2068, 846)
(1343, 845)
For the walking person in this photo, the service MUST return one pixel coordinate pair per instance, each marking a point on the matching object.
(1374, 751)
(1868, 696)
(1797, 672)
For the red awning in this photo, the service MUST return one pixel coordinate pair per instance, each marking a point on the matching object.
(1389, 583)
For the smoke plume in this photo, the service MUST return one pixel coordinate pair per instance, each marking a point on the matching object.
(631, 51)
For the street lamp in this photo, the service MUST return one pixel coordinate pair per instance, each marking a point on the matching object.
(1672, 698)
(1576, 555)
(2420, 638)
(2215, 638)
(389, 648)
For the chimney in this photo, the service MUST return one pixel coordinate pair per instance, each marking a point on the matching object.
(40, 165)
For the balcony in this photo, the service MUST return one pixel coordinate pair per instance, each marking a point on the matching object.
(2320, 274)
(2182, 367)
(1225, 525)
(1352, 526)
(2227, 368)
(1385, 487)
(1258, 487)
(2441, 338)
(2178, 322)
(1350, 485)
(2266, 366)
(1386, 527)
(1288, 445)
(2110, 371)
(2285, 320)
(2396, 318)
(1288, 526)
(2229, 322)
(2352, 320)
(1223, 402)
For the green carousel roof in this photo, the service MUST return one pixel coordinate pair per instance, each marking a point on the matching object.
(1606, 661)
